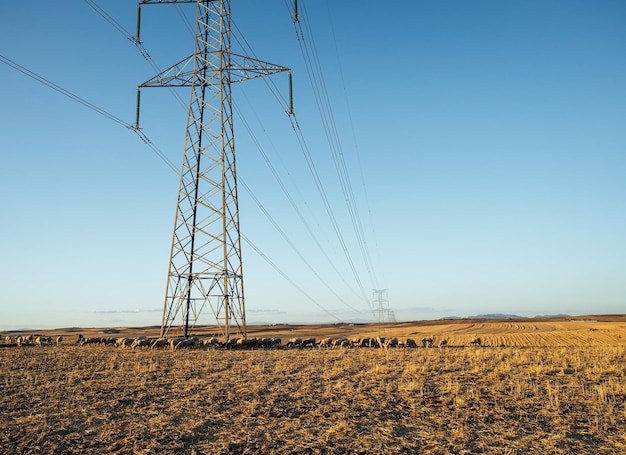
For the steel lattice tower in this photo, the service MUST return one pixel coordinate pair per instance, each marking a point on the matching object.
(205, 268)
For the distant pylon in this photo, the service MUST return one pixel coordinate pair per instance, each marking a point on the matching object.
(379, 298)
(205, 266)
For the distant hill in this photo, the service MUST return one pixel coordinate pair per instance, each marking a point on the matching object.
(485, 316)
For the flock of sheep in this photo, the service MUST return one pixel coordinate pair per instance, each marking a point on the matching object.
(235, 343)
(32, 339)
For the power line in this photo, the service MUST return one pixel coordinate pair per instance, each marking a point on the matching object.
(316, 78)
(63, 91)
(302, 291)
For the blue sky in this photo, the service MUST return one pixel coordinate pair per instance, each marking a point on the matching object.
(485, 143)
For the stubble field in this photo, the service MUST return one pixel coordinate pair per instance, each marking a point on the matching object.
(564, 398)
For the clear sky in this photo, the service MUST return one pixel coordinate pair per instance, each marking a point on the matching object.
(485, 143)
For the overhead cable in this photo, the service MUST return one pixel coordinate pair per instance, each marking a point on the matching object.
(316, 78)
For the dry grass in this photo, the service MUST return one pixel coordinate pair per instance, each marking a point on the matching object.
(96, 399)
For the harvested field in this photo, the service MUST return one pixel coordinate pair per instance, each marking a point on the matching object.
(99, 399)
(562, 331)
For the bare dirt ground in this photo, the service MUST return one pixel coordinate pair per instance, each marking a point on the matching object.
(559, 387)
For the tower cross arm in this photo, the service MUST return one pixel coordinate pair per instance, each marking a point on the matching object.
(179, 75)
(242, 68)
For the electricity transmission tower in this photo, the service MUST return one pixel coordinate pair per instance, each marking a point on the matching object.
(205, 268)
(379, 297)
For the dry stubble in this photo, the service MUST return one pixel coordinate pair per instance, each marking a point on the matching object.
(96, 399)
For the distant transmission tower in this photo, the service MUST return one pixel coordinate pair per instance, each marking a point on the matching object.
(379, 298)
(205, 268)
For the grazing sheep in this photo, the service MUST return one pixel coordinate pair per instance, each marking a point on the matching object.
(90, 340)
(410, 343)
(325, 343)
(443, 343)
(264, 343)
(231, 343)
(79, 338)
(365, 342)
(274, 342)
(39, 341)
(341, 343)
(124, 342)
(308, 342)
(109, 341)
(160, 343)
(8, 339)
(188, 343)
(391, 343)
(427, 342)
(174, 341)
(141, 342)
(212, 342)
(59, 340)
(379, 341)
(476, 341)
(294, 342)
(247, 343)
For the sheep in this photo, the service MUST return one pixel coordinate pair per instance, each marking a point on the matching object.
(365, 342)
(277, 342)
(264, 343)
(373, 342)
(79, 338)
(308, 342)
(19, 340)
(248, 343)
(476, 341)
(231, 343)
(427, 342)
(391, 343)
(212, 342)
(341, 343)
(174, 341)
(59, 340)
(187, 343)
(294, 342)
(325, 343)
(110, 341)
(379, 341)
(123, 342)
(443, 343)
(141, 342)
(39, 341)
(91, 340)
(160, 343)
(410, 343)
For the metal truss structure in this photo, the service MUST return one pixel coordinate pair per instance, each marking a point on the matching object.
(205, 268)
